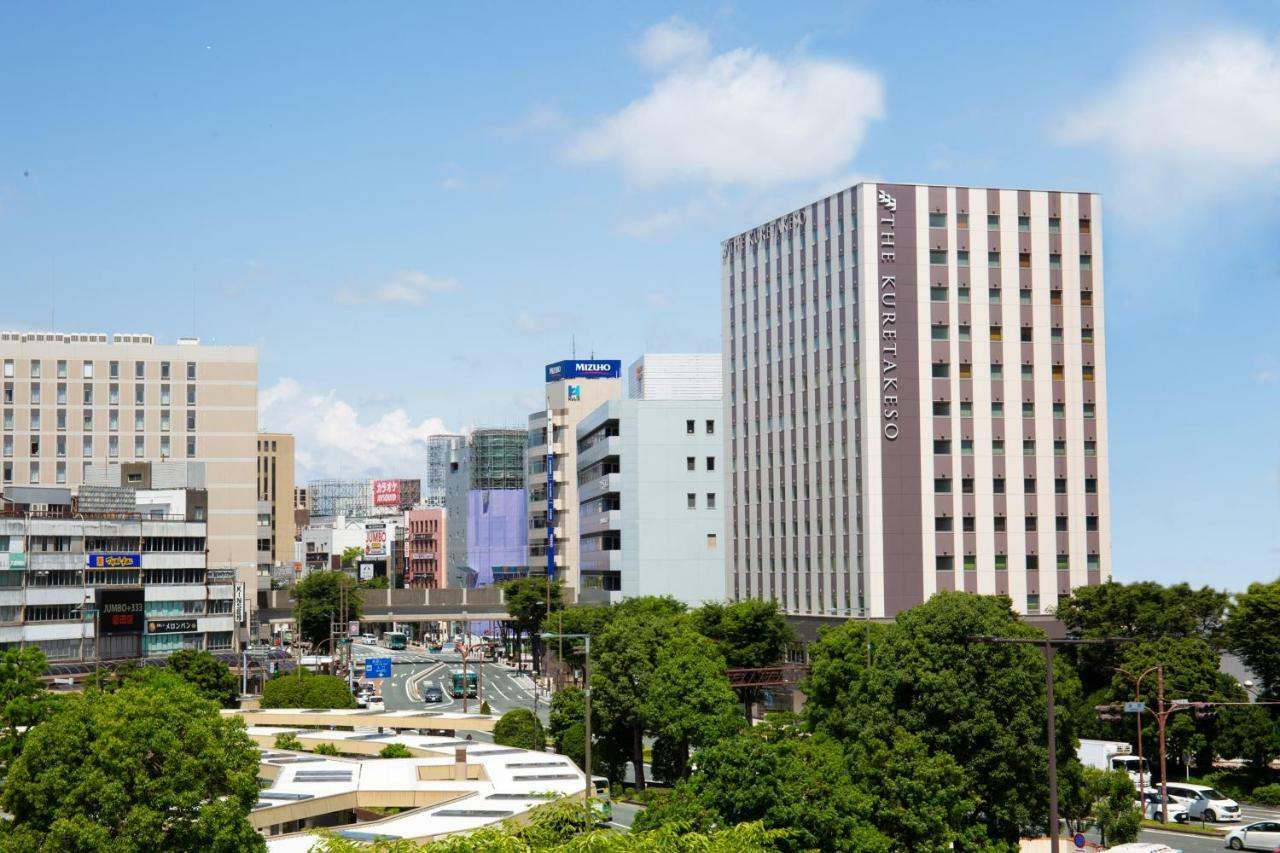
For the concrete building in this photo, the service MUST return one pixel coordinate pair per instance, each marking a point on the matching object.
(915, 389)
(440, 452)
(651, 500)
(72, 399)
(573, 390)
(488, 508)
(276, 491)
(426, 538)
(115, 573)
(676, 376)
(323, 543)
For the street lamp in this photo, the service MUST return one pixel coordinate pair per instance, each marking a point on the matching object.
(586, 705)
(1141, 706)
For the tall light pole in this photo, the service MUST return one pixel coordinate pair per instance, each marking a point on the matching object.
(1137, 697)
(586, 711)
(1050, 648)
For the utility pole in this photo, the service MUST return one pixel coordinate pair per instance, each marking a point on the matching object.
(1050, 648)
(586, 709)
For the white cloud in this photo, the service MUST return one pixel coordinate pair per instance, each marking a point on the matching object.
(406, 287)
(529, 324)
(663, 222)
(1210, 107)
(672, 42)
(741, 117)
(332, 440)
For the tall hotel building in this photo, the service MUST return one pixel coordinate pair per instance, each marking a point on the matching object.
(72, 400)
(916, 400)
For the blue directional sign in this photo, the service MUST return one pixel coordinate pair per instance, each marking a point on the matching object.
(377, 667)
(1079, 840)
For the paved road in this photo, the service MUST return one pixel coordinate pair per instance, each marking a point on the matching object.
(412, 670)
(624, 814)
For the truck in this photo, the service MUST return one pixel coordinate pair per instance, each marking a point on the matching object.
(1113, 755)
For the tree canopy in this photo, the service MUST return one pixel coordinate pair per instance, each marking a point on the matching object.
(210, 676)
(529, 600)
(316, 603)
(291, 690)
(520, 728)
(23, 699)
(138, 769)
(1253, 629)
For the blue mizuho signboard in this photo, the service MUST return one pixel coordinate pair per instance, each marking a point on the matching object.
(589, 368)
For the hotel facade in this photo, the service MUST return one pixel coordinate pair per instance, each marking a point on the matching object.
(914, 385)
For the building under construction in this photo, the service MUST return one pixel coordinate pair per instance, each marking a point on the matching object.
(440, 451)
(486, 501)
(356, 498)
(497, 458)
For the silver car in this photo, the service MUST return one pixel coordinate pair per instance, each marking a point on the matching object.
(1256, 836)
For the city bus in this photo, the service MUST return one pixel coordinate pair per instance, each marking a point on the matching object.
(472, 684)
(393, 639)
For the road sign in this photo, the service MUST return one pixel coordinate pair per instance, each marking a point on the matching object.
(1079, 840)
(1135, 707)
(377, 667)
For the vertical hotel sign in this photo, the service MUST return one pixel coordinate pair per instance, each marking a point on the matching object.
(890, 390)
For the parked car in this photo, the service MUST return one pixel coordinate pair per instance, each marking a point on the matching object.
(1264, 835)
(1204, 802)
(432, 694)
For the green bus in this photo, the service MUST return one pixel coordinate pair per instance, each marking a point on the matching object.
(472, 684)
(393, 640)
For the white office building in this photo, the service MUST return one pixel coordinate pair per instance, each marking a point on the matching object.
(676, 376)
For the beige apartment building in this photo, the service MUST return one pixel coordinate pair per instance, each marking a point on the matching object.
(276, 496)
(574, 389)
(71, 399)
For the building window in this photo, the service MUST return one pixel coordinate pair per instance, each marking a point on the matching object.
(941, 446)
(1024, 260)
(139, 422)
(139, 370)
(1086, 263)
(1090, 448)
(164, 370)
(692, 500)
(997, 486)
(938, 258)
(1060, 486)
(139, 448)
(1028, 447)
(711, 427)
(964, 333)
(962, 258)
(60, 473)
(1033, 603)
(1028, 372)
(690, 463)
(191, 421)
(937, 220)
(86, 447)
(997, 333)
(997, 372)
(8, 445)
(164, 395)
(191, 370)
(938, 294)
(88, 421)
(966, 485)
(966, 409)
(35, 473)
(966, 371)
(62, 419)
(62, 369)
(1024, 223)
(35, 419)
(113, 420)
(8, 419)
(970, 563)
(165, 453)
(1029, 485)
(962, 295)
(1091, 523)
(191, 446)
(962, 221)
(1092, 563)
(1055, 225)
(966, 447)
(1002, 561)
(711, 500)
(941, 370)
(8, 472)
(938, 333)
(1060, 524)
(1086, 373)
(1033, 563)
(688, 427)
(1064, 563)
(711, 541)
(191, 395)
(941, 408)
(967, 524)
(1059, 448)
(998, 524)
(1091, 485)
(711, 463)
(942, 485)
(8, 368)
(1030, 524)
(993, 222)
(35, 368)
(942, 524)
(1090, 411)
(944, 563)
(993, 295)
(164, 421)
(997, 447)
(993, 259)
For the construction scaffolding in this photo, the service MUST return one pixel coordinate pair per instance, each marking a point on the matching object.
(497, 458)
(440, 450)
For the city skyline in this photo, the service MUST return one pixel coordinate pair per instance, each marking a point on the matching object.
(216, 193)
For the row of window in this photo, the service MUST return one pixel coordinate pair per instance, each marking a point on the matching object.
(1058, 373)
(942, 446)
(691, 500)
(1026, 335)
(940, 257)
(943, 485)
(113, 420)
(689, 427)
(113, 369)
(946, 524)
(995, 295)
(939, 220)
(113, 394)
(942, 409)
(1000, 562)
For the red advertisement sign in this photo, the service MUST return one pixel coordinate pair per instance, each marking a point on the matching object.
(386, 492)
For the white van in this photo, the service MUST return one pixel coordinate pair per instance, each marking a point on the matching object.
(1204, 802)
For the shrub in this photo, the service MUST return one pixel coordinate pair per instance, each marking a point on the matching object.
(288, 740)
(484, 707)
(325, 749)
(1266, 795)
(288, 690)
(395, 750)
(520, 728)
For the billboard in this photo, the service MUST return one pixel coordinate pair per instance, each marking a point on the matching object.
(584, 369)
(375, 540)
(120, 611)
(366, 571)
(171, 626)
(386, 493)
(113, 561)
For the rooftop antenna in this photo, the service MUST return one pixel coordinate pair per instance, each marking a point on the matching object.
(573, 346)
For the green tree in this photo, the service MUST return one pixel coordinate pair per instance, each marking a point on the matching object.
(520, 728)
(982, 705)
(689, 700)
(588, 619)
(378, 582)
(1113, 795)
(529, 600)
(1253, 629)
(23, 698)
(305, 690)
(289, 741)
(798, 784)
(213, 678)
(350, 555)
(316, 600)
(325, 749)
(624, 661)
(749, 633)
(395, 750)
(139, 769)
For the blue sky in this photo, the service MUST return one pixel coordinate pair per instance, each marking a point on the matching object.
(410, 208)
